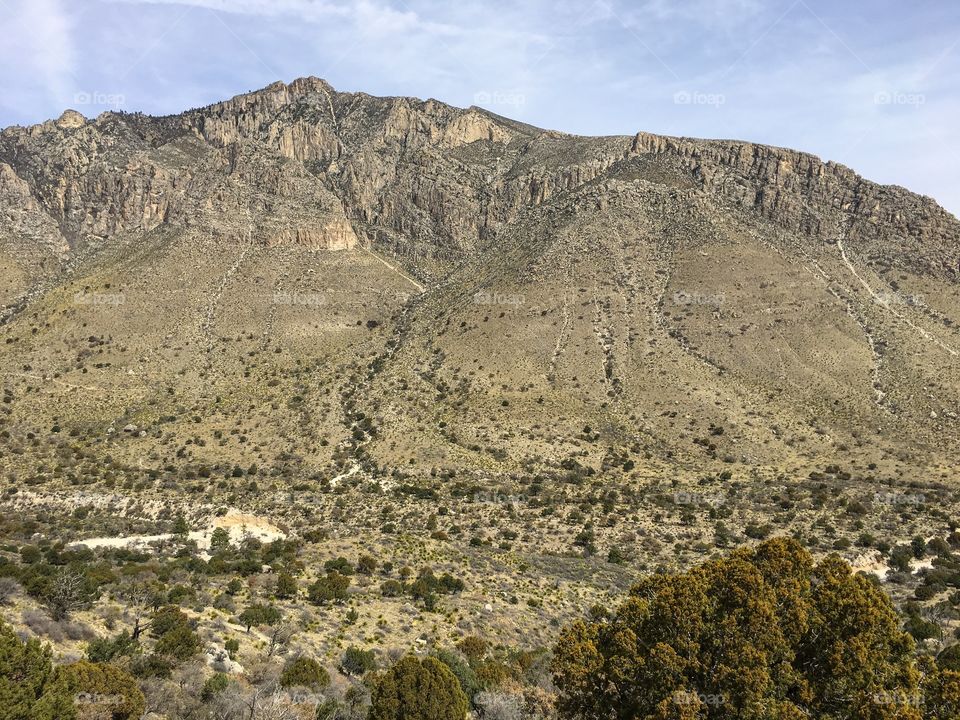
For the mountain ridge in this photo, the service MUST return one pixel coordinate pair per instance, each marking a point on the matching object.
(461, 260)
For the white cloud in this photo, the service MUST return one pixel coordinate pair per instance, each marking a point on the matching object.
(370, 17)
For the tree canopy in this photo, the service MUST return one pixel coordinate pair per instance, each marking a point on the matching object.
(31, 688)
(762, 633)
(416, 689)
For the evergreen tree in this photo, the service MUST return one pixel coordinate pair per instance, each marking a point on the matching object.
(28, 690)
(415, 689)
(762, 633)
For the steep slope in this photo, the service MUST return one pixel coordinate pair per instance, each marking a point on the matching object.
(313, 281)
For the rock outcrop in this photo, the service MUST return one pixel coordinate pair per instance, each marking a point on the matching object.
(314, 167)
(338, 234)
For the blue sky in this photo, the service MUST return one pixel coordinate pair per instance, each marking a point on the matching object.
(874, 85)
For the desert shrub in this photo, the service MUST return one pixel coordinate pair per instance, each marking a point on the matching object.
(28, 688)
(180, 643)
(491, 673)
(357, 662)
(757, 531)
(105, 685)
(259, 614)
(152, 666)
(9, 588)
(616, 555)
(285, 587)
(462, 671)
(224, 602)
(949, 659)
(494, 705)
(340, 565)
(427, 586)
(304, 672)
(366, 564)
(213, 686)
(919, 627)
(180, 593)
(166, 619)
(415, 689)
(103, 650)
(220, 541)
(391, 588)
(331, 588)
(474, 648)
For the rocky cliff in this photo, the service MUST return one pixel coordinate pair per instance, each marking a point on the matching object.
(427, 179)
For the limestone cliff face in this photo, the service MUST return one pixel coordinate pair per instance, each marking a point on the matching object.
(301, 163)
(338, 234)
(825, 200)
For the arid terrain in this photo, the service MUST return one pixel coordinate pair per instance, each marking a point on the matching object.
(525, 367)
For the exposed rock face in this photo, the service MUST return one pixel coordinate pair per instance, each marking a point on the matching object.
(424, 179)
(336, 235)
(71, 119)
(825, 200)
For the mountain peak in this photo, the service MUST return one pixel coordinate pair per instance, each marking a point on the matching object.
(70, 119)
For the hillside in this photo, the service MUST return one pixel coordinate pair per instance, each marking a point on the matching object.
(543, 362)
(235, 255)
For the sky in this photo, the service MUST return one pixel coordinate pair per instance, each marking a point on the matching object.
(873, 85)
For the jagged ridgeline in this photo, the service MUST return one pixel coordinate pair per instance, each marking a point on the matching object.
(321, 281)
(317, 404)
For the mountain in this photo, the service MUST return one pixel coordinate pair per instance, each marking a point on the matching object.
(332, 285)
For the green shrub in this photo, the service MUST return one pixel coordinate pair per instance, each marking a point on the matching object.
(416, 689)
(795, 638)
(103, 685)
(215, 684)
(107, 649)
(180, 643)
(357, 662)
(259, 614)
(28, 688)
(332, 588)
(304, 672)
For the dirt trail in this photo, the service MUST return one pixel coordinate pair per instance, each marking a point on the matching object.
(399, 272)
(885, 303)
